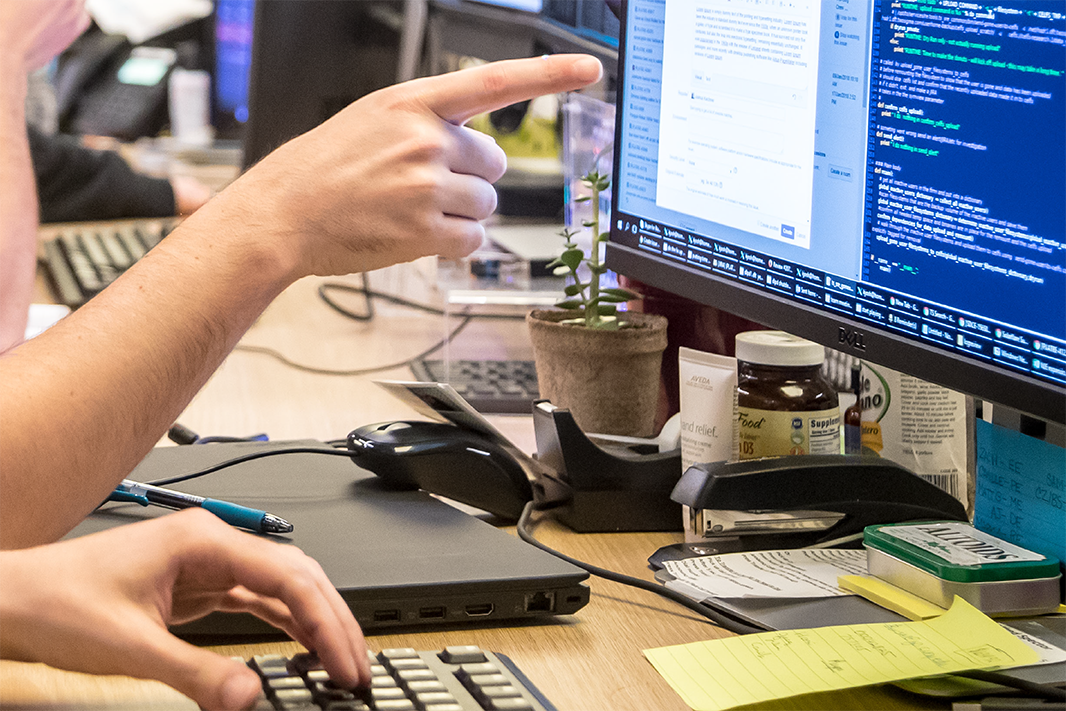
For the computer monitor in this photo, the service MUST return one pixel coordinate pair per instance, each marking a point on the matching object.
(885, 178)
(594, 20)
(310, 59)
(232, 59)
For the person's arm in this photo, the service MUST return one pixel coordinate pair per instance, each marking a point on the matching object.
(391, 178)
(101, 604)
(76, 183)
(31, 33)
(18, 206)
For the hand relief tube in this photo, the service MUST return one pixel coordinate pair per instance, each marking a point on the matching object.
(708, 411)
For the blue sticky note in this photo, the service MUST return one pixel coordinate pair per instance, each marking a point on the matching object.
(1021, 490)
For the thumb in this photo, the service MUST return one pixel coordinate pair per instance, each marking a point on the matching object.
(214, 682)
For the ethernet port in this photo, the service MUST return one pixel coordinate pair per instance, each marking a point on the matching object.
(540, 602)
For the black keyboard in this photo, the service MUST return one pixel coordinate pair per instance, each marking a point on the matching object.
(83, 259)
(462, 678)
(490, 386)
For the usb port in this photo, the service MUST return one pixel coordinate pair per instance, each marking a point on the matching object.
(483, 610)
(431, 613)
(386, 615)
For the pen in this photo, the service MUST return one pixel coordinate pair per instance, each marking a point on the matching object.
(233, 514)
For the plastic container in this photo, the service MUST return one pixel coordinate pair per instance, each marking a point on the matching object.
(785, 405)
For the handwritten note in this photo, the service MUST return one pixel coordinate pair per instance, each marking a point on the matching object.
(1021, 490)
(724, 673)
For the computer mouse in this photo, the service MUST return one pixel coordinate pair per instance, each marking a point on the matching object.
(444, 459)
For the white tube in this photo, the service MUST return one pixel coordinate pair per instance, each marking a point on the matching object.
(708, 413)
(708, 397)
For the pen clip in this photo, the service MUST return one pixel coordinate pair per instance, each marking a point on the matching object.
(127, 497)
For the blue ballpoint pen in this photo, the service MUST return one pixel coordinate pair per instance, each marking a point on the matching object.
(233, 514)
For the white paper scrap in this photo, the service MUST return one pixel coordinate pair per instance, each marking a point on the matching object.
(780, 573)
(1049, 653)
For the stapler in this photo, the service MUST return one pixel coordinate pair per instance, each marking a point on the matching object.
(801, 500)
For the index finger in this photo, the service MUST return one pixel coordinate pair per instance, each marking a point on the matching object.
(458, 96)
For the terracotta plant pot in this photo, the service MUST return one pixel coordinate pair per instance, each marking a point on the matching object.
(609, 380)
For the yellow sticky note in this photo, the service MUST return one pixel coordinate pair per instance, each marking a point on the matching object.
(890, 597)
(724, 673)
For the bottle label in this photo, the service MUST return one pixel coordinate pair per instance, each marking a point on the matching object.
(771, 433)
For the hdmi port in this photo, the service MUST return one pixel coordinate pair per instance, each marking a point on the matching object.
(479, 610)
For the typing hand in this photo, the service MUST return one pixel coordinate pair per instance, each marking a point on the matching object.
(33, 32)
(396, 176)
(101, 604)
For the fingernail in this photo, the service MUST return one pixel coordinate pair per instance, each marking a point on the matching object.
(239, 691)
(588, 66)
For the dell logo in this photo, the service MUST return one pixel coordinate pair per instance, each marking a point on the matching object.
(854, 339)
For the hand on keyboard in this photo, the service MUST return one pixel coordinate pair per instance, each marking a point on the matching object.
(102, 603)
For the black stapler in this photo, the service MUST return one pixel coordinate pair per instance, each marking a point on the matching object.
(801, 500)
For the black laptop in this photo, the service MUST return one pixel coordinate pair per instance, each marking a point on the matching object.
(398, 557)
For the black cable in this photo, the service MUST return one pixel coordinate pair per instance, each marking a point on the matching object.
(723, 621)
(1043, 691)
(359, 371)
(364, 290)
(247, 458)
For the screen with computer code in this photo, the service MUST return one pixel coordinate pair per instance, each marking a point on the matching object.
(901, 164)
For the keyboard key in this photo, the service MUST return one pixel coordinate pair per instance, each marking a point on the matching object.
(464, 654)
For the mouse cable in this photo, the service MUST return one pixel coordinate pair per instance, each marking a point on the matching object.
(359, 371)
(1049, 692)
(337, 451)
(369, 295)
(724, 621)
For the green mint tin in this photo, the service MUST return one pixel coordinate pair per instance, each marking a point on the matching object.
(938, 560)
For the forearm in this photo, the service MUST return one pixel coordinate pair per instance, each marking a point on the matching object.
(81, 404)
(18, 207)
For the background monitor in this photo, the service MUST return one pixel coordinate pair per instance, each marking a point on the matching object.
(310, 59)
(884, 178)
(595, 20)
(233, 26)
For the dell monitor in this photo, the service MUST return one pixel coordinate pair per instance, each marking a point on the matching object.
(886, 178)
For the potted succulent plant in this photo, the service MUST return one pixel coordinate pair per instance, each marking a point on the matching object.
(600, 363)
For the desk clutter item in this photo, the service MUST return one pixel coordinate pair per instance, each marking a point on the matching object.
(490, 386)
(736, 671)
(799, 500)
(84, 259)
(941, 560)
(600, 490)
(398, 557)
(457, 678)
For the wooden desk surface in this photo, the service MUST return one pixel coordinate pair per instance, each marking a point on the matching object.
(586, 662)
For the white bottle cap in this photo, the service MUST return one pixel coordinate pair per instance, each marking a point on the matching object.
(777, 348)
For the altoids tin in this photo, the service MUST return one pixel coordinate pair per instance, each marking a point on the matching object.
(939, 560)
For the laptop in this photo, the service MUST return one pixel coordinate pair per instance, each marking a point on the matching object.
(398, 557)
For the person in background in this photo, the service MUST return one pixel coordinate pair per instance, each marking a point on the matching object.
(393, 177)
(77, 183)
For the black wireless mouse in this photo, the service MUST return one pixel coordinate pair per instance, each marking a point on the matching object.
(444, 459)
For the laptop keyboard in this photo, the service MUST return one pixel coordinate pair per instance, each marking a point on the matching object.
(84, 259)
(490, 386)
(461, 678)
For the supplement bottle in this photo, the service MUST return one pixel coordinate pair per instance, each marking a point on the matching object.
(784, 403)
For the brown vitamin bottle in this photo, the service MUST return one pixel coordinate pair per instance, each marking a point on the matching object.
(784, 403)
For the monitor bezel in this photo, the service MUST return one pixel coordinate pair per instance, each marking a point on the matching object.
(983, 380)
